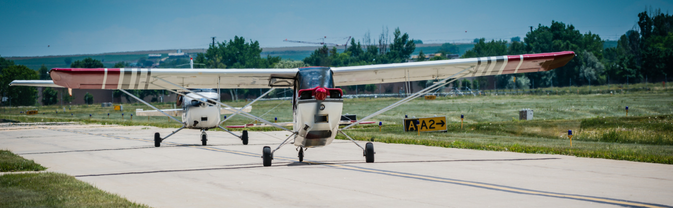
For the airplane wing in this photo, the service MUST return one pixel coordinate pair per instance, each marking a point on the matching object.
(427, 70)
(136, 78)
(142, 79)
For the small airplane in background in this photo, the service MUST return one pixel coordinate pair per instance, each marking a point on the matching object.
(317, 102)
(196, 112)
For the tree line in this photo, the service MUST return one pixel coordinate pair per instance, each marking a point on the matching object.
(642, 54)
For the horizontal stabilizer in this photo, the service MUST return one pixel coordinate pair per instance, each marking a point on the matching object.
(179, 112)
(172, 112)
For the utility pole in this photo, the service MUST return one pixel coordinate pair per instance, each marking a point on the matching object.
(213, 41)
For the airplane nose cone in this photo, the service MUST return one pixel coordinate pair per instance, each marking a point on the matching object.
(320, 93)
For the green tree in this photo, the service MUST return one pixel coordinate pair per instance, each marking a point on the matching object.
(356, 54)
(448, 48)
(515, 39)
(4, 63)
(236, 53)
(120, 65)
(516, 48)
(421, 56)
(401, 47)
(87, 63)
(19, 95)
(562, 37)
(49, 96)
(289, 64)
(591, 69)
(88, 98)
(43, 72)
(68, 61)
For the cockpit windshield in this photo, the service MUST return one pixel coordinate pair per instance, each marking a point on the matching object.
(315, 77)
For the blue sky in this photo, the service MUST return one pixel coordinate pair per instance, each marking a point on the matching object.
(81, 27)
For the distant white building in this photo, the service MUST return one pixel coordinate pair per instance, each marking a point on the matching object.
(154, 55)
(177, 54)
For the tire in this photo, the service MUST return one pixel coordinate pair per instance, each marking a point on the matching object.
(244, 137)
(301, 154)
(369, 152)
(157, 139)
(266, 156)
(204, 139)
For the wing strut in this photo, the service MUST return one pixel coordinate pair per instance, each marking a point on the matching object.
(225, 105)
(260, 97)
(411, 97)
(151, 106)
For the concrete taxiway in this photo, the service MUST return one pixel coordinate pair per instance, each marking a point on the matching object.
(225, 173)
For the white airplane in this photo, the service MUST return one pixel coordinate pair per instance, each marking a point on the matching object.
(317, 102)
(196, 112)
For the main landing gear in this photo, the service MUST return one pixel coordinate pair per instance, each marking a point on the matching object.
(369, 152)
(157, 139)
(267, 154)
(204, 137)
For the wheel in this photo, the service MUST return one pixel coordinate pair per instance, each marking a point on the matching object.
(266, 156)
(157, 139)
(244, 137)
(204, 139)
(301, 154)
(369, 152)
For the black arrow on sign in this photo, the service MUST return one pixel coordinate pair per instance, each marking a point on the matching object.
(441, 123)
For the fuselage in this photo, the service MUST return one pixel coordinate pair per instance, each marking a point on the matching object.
(317, 107)
(197, 114)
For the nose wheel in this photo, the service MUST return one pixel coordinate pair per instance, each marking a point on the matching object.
(301, 154)
(204, 138)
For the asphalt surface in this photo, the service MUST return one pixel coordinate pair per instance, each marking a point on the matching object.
(225, 173)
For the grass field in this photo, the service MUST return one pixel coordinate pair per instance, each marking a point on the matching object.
(54, 190)
(48, 189)
(598, 119)
(10, 162)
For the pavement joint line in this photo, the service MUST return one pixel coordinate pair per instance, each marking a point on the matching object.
(423, 177)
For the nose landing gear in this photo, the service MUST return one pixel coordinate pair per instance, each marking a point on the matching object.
(301, 154)
(204, 138)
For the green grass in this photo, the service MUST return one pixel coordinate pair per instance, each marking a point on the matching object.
(10, 162)
(54, 190)
(548, 137)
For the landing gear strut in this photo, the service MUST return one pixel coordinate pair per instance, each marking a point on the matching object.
(368, 151)
(267, 154)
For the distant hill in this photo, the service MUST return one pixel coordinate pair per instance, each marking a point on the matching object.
(109, 59)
